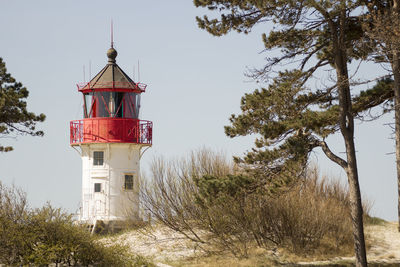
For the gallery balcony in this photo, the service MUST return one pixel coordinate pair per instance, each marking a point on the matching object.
(111, 130)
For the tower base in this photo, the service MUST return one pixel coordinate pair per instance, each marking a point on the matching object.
(114, 226)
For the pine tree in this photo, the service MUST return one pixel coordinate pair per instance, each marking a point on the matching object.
(14, 116)
(291, 118)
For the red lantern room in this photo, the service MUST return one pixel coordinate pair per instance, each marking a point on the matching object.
(111, 109)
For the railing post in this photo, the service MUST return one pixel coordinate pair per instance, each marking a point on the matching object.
(81, 131)
(70, 132)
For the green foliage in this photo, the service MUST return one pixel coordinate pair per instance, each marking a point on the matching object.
(13, 217)
(290, 118)
(284, 112)
(48, 236)
(55, 237)
(380, 95)
(232, 185)
(300, 27)
(14, 116)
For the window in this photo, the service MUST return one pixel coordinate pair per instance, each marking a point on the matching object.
(128, 185)
(97, 187)
(98, 158)
(88, 97)
(115, 105)
(131, 105)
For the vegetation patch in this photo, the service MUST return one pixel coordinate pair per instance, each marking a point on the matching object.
(45, 236)
(223, 207)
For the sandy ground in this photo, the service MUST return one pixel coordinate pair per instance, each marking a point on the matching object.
(385, 242)
(159, 244)
(163, 245)
(384, 247)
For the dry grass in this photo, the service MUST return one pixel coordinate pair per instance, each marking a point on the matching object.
(166, 246)
(256, 257)
(222, 208)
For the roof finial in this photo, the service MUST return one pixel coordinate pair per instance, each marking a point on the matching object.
(112, 53)
(112, 34)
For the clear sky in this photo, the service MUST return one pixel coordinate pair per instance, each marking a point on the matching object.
(195, 81)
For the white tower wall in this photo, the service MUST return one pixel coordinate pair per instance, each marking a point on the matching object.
(117, 198)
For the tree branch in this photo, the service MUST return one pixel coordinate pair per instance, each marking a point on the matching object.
(341, 162)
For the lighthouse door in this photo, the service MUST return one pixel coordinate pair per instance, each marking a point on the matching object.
(99, 198)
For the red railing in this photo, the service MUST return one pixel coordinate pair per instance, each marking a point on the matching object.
(112, 85)
(111, 130)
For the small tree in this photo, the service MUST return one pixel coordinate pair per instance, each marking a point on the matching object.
(14, 116)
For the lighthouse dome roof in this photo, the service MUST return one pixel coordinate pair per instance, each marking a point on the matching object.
(112, 77)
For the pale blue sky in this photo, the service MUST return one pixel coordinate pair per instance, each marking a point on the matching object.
(195, 81)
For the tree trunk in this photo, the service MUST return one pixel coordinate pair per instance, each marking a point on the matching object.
(396, 74)
(355, 205)
(346, 122)
(356, 211)
(347, 130)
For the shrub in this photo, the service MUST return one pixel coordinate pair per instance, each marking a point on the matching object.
(14, 239)
(311, 212)
(48, 236)
(220, 206)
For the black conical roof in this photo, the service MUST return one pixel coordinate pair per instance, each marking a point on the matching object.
(111, 76)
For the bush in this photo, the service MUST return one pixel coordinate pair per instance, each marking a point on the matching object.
(13, 217)
(171, 196)
(220, 206)
(48, 236)
(311, 212)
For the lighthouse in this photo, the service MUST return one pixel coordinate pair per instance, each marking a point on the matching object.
(111, 140)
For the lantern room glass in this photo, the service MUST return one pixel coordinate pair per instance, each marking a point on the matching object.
(105, 104)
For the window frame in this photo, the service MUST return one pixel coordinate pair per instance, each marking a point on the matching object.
(97, 159)
(94, 187)
(132, 183)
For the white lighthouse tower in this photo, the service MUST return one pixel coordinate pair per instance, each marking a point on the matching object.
(111, 138)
